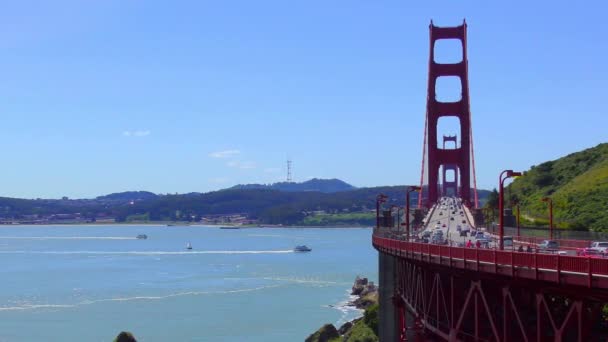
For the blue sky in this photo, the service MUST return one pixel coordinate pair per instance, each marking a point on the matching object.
(105, 96)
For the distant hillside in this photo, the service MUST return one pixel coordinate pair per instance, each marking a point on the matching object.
(128, 196)
(578, 185)
(315, 184)
(266, 205)
(320, 203)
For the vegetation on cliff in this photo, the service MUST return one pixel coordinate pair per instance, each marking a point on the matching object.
(577, 184)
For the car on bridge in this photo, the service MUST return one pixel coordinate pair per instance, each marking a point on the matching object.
(438, 240)
(548, 245)
(480, 235)
(484, 243)
(600, 246)
(589, 252)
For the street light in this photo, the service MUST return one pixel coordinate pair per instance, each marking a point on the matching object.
(379, 199)
(517, 207)
(548, 199)
(407, 210)
(398, 216)
(501, 180)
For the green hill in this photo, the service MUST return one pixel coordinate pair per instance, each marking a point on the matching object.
(577, 184)
(315, 184)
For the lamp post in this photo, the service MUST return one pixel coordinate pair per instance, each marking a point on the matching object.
(548, 199)
(379, 199)
(398, 216)
(501, 180)
(407, 210)
(517, 207)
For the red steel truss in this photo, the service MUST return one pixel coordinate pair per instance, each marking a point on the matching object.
(469, 294)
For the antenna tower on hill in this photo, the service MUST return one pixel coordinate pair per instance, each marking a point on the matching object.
(289, 179)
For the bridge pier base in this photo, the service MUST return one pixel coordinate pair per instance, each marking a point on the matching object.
(387, 327)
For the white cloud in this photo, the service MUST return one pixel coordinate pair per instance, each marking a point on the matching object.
(224, 154)
(247, 165)
(138, 133)
(272, 170)
(241, 165)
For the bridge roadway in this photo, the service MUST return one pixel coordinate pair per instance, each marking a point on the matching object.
(450, 217)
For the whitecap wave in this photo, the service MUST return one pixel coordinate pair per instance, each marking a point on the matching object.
(305, 281)
(349, 312)
(68, 237)
(134, 298)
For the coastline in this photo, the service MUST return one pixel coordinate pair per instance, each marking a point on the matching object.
(364, 298)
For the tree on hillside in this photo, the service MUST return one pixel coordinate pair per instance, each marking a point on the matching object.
(491, 206)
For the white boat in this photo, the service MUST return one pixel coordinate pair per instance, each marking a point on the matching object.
(302, 248)
(188, 245)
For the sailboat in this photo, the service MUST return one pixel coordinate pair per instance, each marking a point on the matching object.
(188, 245)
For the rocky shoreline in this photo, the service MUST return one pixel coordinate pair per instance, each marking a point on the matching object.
(360, 329)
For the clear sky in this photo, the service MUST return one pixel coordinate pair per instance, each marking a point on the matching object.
(179, 96)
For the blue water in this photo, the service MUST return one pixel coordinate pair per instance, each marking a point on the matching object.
(87, 283)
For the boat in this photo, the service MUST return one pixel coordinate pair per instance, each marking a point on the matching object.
(229, 227)
(142, 236)
(188, 245)
(302, 248)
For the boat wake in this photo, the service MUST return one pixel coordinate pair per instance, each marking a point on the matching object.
(189, 252)
(306, 281)
(68, 237)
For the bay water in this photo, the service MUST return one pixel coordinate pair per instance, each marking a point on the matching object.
(87, 283)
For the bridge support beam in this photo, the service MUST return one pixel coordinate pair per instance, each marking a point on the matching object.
(388, 318)
(451, 303)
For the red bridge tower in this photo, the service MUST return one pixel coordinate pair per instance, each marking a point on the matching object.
(459, 158)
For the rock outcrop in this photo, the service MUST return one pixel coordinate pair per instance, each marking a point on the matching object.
(362, 287)
(358, 329)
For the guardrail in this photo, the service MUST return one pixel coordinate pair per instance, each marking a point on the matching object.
(533, 263)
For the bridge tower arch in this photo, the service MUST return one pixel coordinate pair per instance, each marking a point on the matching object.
(449, 187)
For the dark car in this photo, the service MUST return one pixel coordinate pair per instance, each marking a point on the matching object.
(548, 245)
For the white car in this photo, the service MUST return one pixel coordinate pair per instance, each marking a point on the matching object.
(600, 246)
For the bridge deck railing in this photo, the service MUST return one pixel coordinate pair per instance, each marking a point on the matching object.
(538, 262)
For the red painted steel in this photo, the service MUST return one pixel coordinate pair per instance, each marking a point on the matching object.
(449, 188)
(471, 294)
(540, 262)
(460, 157)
